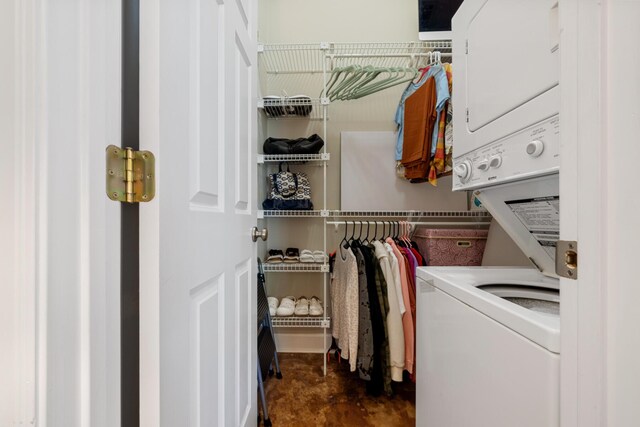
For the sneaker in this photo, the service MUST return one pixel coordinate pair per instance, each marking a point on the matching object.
(315, 306)
(275, 256)
(300, 105)
(306, 256)
(320, 257)
(292, 256)
(287, 306)
(302, 307)
(273, 305)
(273, 106)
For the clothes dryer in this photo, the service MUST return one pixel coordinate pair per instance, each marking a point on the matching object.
(506, 94)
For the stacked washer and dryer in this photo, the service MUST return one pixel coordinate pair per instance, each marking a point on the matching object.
(488, 338)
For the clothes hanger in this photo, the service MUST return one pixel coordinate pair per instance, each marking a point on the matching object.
(353, 232)
(362, 76)
(350, 75)
(397, 76)
(354, 82)
(369, 82)
(366, 238)
(407, 230)
(338, 76)
(344, 239)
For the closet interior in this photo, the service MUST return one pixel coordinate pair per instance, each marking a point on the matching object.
(301, 65)
(304, 93)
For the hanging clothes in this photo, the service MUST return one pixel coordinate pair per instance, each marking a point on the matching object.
(407, 317)
(438, 164)
(419, 119)
(442, 96)
(365, 329)
(448, 133)
(399, 118)
(345, 305)
(378, 317)
(431, 152)
(384, 353)
(394, 316)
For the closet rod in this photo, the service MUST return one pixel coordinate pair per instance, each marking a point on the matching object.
(384, 55)
(339, 223)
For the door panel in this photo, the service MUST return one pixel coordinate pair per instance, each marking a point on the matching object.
(244, 371)
(243, 137)
(204, 344)
(243, 9)
(207, 79)
(204, 265)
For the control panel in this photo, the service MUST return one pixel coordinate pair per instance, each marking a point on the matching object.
(528, 153)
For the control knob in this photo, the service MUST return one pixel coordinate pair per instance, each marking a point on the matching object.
(463, 170)
(495, 161)
(483, 165)
(535, 148)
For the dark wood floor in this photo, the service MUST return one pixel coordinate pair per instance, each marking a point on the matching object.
(303, 397)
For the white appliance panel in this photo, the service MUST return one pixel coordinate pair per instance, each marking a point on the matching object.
(508, 60)
(529, 211)
(531, 152)
(473, 371)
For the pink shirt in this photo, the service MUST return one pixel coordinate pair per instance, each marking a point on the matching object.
(407, 318)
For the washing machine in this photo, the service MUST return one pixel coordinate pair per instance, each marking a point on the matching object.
(488, 338)
(488, 352)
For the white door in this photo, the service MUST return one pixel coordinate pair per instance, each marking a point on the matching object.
(198, 263)
(598, 191)
(60, 245)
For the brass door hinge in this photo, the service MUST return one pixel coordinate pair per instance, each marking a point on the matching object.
(567, 259)
(130, 175)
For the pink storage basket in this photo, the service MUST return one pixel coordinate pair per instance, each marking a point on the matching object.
(443, 247)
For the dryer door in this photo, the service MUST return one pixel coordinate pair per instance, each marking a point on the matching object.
(510, 59)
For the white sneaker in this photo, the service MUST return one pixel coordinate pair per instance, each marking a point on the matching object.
(315, 307)
(273, 305)
(287, 306)
(306, 256)
(320, 257)
(302, 307)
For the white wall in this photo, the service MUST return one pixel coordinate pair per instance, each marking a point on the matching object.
(308, 21)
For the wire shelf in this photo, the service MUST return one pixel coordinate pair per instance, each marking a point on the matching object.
(292, 214)
(296, 268)
(276, 158)
(301, 322)
(308, 58)
(293, 107)
(292, 58)
(413, 214)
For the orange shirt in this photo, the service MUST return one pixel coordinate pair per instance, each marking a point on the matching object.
(419, 119)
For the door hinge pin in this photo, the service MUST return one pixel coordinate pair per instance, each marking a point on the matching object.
(129, 174)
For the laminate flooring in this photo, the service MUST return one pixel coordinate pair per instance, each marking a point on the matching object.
(304, 397)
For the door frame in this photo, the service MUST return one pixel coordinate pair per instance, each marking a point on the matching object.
(599, 110)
